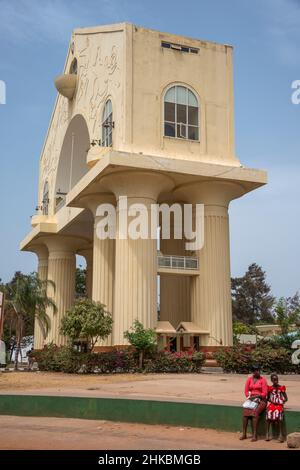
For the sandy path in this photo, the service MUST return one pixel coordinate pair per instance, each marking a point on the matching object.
(62, 433)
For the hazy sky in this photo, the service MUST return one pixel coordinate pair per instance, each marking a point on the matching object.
(34, 37)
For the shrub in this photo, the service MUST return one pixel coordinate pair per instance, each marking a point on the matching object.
(176, 362)
(55, 359)
(142, 339)
(65, 359)
(87, 320)
(284, 341)
(241, 358)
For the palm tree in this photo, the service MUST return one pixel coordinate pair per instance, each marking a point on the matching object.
(27, 300)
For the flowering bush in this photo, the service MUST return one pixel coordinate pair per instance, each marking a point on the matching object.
(65, 359)
(180, 362)
(241, 359)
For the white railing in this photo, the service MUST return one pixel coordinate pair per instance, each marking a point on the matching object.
(177, 262)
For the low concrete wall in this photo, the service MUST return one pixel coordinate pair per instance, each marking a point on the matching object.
(223, 417)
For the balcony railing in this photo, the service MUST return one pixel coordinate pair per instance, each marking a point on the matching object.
(178, 262)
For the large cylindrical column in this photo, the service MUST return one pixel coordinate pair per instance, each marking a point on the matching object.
(135, 293)
(211, 291)
(104, 269)
(211, 307)
(103, 257)
(42, 254)
(61, 271)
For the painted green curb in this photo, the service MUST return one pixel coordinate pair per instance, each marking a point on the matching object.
(222, 417)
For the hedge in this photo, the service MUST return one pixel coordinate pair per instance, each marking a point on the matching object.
(241, 358)
(65, 359)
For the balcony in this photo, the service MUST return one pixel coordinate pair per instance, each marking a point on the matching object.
(172, 264)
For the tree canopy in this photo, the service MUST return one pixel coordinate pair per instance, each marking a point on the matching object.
(287, 312)
(252, 301)
(27, 300)
(87, 320)
(143, 339)
(80, 282)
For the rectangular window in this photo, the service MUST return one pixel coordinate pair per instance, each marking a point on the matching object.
(170, 129)
(181, 113)
(170, 112)
(193, 115)
(193, 133)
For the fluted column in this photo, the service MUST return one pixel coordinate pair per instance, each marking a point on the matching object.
(103, 257)
(211, 307)
(135, 293)
(211, 291)
(61, 270)
(88, 255)
(42, 254)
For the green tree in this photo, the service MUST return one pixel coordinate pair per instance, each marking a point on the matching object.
(143, 339)
(252, 301)
(27, 300)
(80, 282)
(287, 312)
(87, 320)
(240, 328)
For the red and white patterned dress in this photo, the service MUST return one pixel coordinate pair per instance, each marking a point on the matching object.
(276, 402)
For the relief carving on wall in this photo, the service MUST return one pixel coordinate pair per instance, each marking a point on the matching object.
(98, 77)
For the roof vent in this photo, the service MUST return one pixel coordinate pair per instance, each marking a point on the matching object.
(179, 47)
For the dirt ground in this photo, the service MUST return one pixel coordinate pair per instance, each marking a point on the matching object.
(61, 433)
(205, 388)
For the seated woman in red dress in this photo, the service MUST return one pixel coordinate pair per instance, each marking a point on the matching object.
(277, 397)
(256, 390)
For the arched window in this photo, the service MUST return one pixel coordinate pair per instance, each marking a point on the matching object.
(107, 124)
(181, 112)
(45, 202)
(74, 67)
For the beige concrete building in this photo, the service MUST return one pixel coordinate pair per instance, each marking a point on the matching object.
(148, 115)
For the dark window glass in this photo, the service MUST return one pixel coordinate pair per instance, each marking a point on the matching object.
(181, 113)
(73, 68)
(170, 112)
(170, 129)
(193, 133)
(193, 115)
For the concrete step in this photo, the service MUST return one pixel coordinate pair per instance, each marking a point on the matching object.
(212, 370)
(210, 363)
